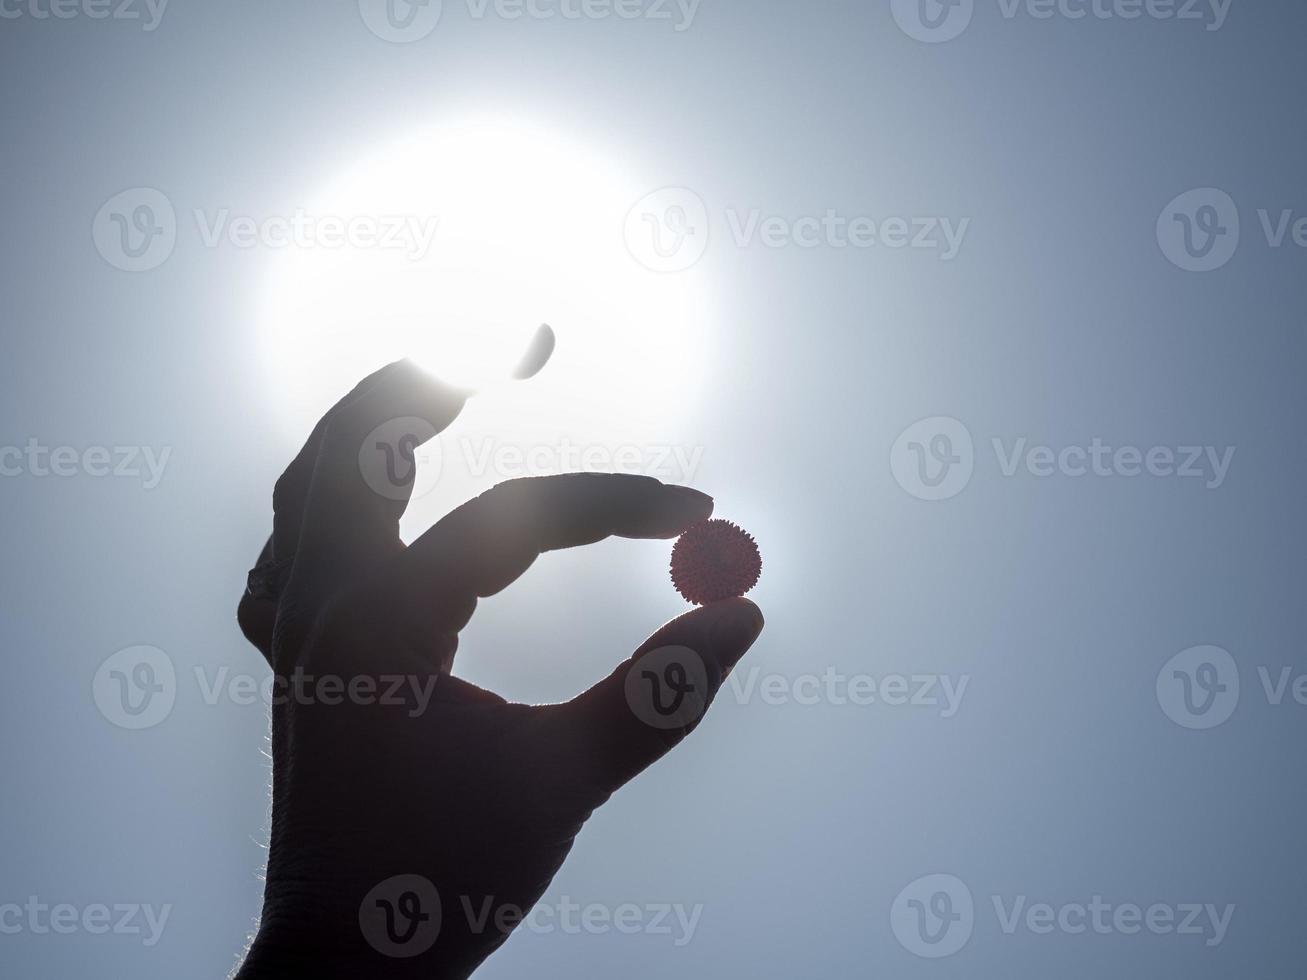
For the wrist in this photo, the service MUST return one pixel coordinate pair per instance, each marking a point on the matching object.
(314, 942)
(280, 958)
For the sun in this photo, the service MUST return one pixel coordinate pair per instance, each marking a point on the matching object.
(479, 230)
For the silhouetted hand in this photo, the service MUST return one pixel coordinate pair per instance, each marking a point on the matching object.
(404, 797)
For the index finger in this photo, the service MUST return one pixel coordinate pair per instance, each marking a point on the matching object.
(487, 543)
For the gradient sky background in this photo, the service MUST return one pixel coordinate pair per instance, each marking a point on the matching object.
(794, 370)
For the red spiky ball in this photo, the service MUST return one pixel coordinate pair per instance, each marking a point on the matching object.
(713, 560)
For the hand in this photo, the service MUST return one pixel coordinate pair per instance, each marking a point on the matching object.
(403, 796)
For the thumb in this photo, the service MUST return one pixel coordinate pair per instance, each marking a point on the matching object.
(651, 702)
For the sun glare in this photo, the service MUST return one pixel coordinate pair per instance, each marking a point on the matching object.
(459, 241)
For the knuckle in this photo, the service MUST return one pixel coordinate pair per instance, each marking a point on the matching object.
(287, 490)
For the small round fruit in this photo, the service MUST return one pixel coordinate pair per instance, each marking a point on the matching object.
(714, 560)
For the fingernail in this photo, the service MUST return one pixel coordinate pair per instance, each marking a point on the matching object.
(698, 504)
(736, 629)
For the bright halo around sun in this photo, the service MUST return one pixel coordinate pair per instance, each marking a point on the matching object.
(452, 246)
